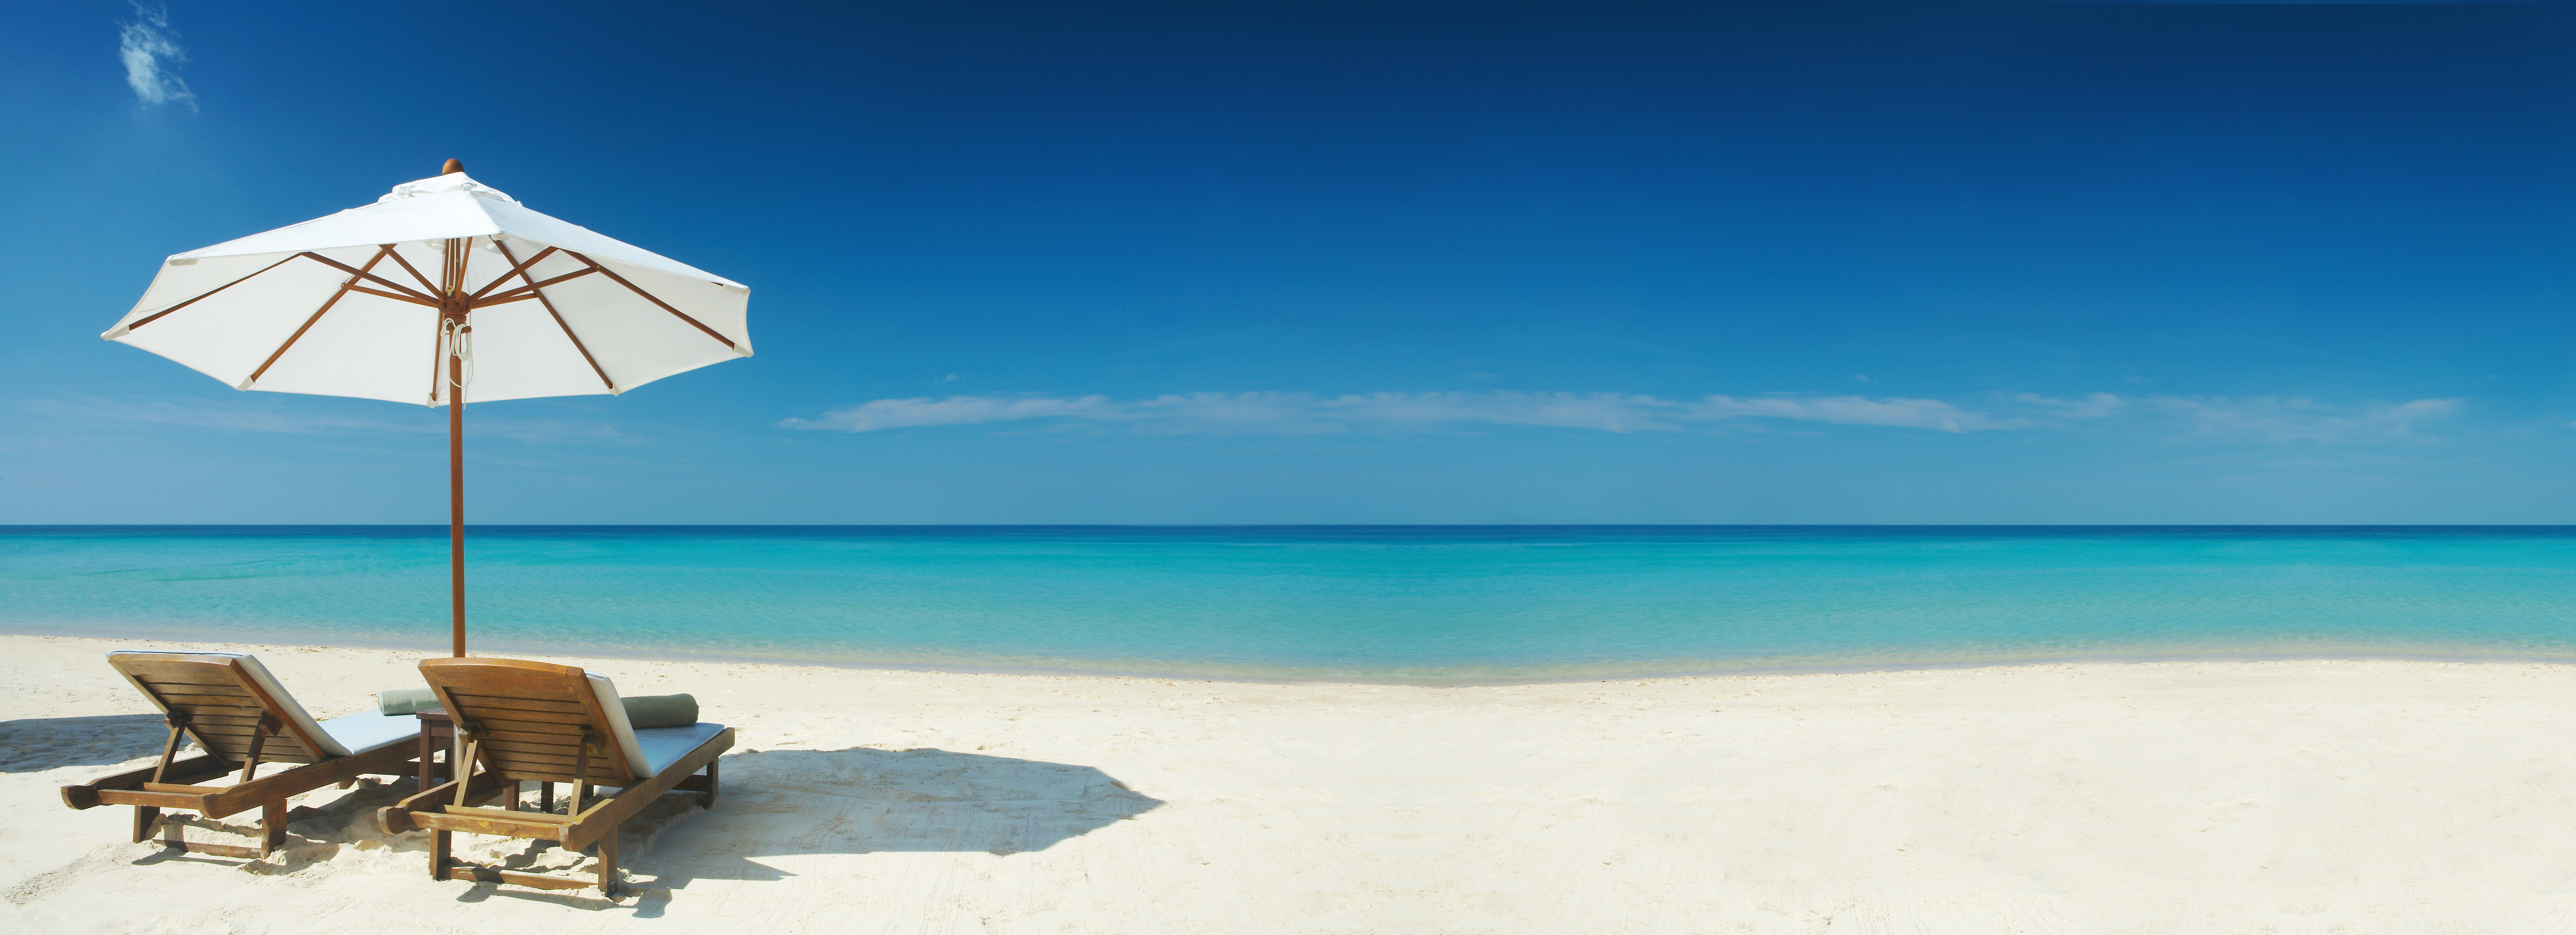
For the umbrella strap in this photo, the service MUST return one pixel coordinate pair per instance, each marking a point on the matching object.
(460, 344)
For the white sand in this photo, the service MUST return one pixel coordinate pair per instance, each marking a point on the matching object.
(2400, 797)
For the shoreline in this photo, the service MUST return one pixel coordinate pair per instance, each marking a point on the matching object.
(2364, 796)
(1248, 674)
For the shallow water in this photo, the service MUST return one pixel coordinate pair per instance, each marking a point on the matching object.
(1392, 603)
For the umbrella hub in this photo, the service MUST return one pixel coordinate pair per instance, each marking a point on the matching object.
(451, 182)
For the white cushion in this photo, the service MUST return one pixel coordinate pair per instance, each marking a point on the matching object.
(618, 725)
(664, 746)
(652, 749)
(368, 730)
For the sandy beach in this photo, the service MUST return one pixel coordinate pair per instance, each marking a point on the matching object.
(2260, 796)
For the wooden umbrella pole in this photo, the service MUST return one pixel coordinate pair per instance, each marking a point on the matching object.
(454, 273)
(456, 501)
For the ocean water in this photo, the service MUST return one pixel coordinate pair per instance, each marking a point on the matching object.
(1403, 604)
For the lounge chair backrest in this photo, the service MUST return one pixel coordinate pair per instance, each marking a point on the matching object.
(532, 720)
(223, 699)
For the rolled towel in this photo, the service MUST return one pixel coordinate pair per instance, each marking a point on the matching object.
(644, 711)
(406, 701)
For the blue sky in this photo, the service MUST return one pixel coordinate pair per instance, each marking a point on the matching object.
(1404, 263)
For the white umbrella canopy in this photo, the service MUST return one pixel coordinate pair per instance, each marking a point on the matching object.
(353, 304)
(443, 290)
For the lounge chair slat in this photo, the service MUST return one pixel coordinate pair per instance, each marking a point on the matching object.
(226, 723)
(556, 734)
(186, 692)
(527, 767)
(224, 720)
(213, 682)
(193, 710)
(521, 704)
(242, 754)
(542, 818)
(506, 715)
(237, 756)
(521, 746)
(159, 686)
(231, 743)
(544, 774)
(540, 754)
(184, 673)
(242, 733)
(546, 733)
(177, 672)
(203, 686)
(209, 702)
(510, 759)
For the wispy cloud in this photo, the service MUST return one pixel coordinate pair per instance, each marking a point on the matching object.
(214, 416)
(2278, 419)
(260, 416)
(151, 53)
(2260, 419)
(1306, 414)
(2093, 406)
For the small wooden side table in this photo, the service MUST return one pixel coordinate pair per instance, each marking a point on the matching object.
(437, 734)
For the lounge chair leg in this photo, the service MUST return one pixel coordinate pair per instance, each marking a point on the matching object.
(272, 827)
(144, 816)
(710, 800)
(545, 797)
(438, 843)
(428, 763)
(609, 885)
(174, 835)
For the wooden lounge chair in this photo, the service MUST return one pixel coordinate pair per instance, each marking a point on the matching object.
(240, 717)
(532, 721)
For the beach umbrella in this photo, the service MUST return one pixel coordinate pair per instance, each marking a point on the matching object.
(444, 288)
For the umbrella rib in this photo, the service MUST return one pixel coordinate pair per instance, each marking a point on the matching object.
(435, 356)
(516, 267)
(666, 306)
(415, 274)
(521, 292)
(522, 270)
(393, 295)
(156, 316)
(317, 315)
(378, 280)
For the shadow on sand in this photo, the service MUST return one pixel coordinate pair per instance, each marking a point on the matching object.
(36, 744)
(777, 804)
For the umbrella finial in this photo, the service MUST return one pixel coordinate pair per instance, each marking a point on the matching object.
(452, 167)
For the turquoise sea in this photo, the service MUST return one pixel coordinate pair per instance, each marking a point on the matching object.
(1409, 604)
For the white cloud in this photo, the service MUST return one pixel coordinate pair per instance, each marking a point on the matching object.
(2094, 406)
(263, 416)
(1303, 414)
(216, 416)
(1856, 410)
(2256, 418)
(2278, 419)
(151, 53)
(955, 410)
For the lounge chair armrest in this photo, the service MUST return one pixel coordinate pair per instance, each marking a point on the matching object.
(85, 795)
(396, 818)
